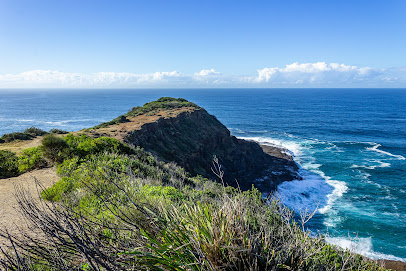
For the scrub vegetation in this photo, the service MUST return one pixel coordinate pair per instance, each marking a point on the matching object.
(116, 207)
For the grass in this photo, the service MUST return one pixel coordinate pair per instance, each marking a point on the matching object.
(118, 208)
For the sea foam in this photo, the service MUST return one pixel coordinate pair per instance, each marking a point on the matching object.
(315, 190)
(361, 246)
(375, 148)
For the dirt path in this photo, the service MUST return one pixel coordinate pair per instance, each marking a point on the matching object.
(9, 216)
(19, 145)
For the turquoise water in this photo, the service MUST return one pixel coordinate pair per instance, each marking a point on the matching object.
(350, 144)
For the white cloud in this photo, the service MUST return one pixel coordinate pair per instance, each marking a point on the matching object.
(207, 72)
(319, 74)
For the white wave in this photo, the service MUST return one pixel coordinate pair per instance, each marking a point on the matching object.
(361, 246)
(294, 148)
(24, 120)
(380, 165)
(236, 130)
(316, 190)
(375, 148)
(308, 194)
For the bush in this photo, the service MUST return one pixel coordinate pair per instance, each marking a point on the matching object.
(54, 148)
(161, 103)
(119, 119)
(33, 131)
(58, 131)
(8, 164)
(30, 159)
(7, 138)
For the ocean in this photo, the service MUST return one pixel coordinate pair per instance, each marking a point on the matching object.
(350, 145)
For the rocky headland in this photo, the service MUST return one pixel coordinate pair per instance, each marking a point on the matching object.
(189, 136)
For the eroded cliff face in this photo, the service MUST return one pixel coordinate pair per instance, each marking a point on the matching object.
(192, 138)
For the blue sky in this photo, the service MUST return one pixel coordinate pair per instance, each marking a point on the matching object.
(330, 43)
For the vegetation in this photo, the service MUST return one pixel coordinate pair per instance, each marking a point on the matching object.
(162, 103)
(33, 131)
(149, 109)
(7, 138)
(8, 164)
(119, 119)
(28, 134)
(58, 131)
(118, 208)
(30, 159)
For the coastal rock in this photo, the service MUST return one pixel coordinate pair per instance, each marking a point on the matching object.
(193, 137)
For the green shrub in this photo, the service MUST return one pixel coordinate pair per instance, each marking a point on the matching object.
(119, 119)
(57, 191)
(54, 148)
(33, 131)
(58, 131)
(7, 138)
(8, 164)
(30, 159)
(161, 103)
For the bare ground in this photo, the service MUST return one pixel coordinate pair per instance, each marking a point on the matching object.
(9, 214)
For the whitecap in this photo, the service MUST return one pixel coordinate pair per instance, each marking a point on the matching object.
(292, 147)
(361, 246)
(375, 148)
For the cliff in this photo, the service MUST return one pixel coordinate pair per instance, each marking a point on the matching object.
(179, 131)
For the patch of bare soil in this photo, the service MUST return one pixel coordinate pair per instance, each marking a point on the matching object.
(9, 214)
(120, 131)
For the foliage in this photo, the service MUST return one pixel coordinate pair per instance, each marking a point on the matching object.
(8, 164)
(28, 134)
(7, 138)
(119, 119)
(30, 159)
(161, 103)
(33, 131)
(54, 148)
(58, 131)
(131, 212)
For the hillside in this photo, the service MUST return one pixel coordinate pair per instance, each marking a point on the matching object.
(179, 131)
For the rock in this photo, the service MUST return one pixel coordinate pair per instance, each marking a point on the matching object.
(192, 138)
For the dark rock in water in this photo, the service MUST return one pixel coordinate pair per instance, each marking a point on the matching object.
(193, 137)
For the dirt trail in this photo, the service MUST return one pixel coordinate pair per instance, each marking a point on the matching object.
(19, 145)
(9, 215)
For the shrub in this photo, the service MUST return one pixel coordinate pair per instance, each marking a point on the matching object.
(7, 138)
(119, 119)
(8, 164)
(58, 131)
(161, 103)
(54, 148)
(33, 131)
(30, 159)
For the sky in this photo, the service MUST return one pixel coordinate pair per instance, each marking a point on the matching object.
(171, 43)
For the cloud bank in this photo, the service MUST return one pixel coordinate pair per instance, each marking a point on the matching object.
(318, 74)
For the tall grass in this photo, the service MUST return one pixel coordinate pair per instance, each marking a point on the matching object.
(147, 215)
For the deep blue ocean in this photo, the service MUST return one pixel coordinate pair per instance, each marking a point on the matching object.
(350, 144)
